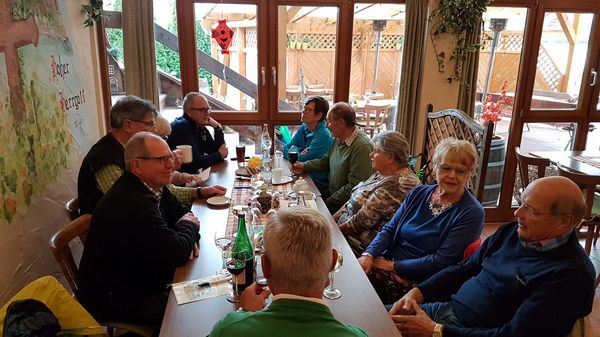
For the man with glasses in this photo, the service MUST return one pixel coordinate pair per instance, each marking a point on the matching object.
(104, 163)
(531, 278)
(139, 234)
(190, 129)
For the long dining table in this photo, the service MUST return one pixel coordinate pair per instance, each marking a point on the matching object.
(586, 162)
(359, 304)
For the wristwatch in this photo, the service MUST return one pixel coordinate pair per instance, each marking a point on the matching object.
(437, 330)
(366, 254)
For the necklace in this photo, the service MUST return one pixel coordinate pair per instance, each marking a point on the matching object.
(435, 207)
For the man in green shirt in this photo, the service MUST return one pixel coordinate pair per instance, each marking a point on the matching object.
(297, 260)
(347, 161)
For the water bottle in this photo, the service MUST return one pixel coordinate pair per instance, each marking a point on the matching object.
(266, 142)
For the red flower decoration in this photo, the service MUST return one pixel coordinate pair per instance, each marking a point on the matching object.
(492, 111)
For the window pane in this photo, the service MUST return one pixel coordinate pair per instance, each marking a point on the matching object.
(229, 78)
(377, 44)
(167, 56)
(593, 140)
(114, 51)
(561, 60)
(307, 60)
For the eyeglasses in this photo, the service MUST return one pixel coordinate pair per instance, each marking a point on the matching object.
(458, 171)
(163, 160)
(202, 110)
(150, 124)
(531, 212)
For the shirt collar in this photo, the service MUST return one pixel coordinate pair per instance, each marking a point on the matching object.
(297, 297)
(157, 193)
(352, 137)
(547, 244)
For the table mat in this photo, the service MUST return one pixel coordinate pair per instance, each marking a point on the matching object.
(239, 196)
(590, 160)
(195, 290)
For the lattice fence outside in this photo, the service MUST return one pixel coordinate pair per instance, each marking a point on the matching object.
(550, 73)
(509, 41)
(250, 37)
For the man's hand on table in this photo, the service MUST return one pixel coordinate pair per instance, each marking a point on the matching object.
(253, 298)
(189, 216)
(366, 262)
(415, 324)
(383, 264)
(297, 168)
(211, 191)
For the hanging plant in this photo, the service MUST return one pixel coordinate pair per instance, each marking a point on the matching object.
(453, 21)
(93, 11)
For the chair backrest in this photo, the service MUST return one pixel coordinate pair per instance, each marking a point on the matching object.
(59, 245)
(586, 183)
(525, 160)
(72, 208)
(455, 123)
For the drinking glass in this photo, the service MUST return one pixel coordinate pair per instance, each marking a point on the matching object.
(235, 267)
(223, 242)
(293, 156)
(330, 292)
(259, 276)
(240, 152)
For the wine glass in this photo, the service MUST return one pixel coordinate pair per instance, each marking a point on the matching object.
(293, 156)
(223, 242)
(259, 276)
(330, 292)
(235, 267)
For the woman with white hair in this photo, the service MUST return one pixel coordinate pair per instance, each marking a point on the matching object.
(432, 227)
(374, 201)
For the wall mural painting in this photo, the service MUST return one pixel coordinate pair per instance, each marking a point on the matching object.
(41, 100)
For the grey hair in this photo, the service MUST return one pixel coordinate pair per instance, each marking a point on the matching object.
(130, 107)
(188, 97)
(136, 147)
(343, 111)
(466, 152)
(394, 144)
(297, 242)
(162, 127)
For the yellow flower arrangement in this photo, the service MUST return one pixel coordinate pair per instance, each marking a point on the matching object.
(254, 162)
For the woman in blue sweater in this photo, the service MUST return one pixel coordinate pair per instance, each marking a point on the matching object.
(432, 227)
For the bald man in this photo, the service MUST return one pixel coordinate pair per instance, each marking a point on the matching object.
(531, 278)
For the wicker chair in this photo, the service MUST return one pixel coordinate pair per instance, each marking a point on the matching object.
(455, 123)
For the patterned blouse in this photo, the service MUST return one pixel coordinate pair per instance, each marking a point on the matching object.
(372, 204)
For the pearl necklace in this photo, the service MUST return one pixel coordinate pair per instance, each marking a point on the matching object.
(435, 208)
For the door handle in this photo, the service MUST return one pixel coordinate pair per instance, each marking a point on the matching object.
(262, 75)
(274, 73)
(594, 74)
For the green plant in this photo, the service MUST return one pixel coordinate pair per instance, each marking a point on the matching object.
(456, 20)
(93, 12)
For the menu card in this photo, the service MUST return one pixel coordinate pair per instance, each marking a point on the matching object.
(201, 289)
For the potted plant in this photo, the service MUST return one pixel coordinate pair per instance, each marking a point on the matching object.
(450, 26)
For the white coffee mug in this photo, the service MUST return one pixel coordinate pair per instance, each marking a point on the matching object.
(187, 153)
(277, 174)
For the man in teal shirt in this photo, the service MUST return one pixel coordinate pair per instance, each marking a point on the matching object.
(347, 161)
(302, 236)
(313, 139)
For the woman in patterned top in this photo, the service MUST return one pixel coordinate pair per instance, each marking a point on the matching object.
(375, 200)
(432, 227)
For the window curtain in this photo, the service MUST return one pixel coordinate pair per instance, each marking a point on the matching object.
(138, 45)
(468, 85)
(412, 68)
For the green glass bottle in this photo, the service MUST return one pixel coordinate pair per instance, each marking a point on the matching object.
(242, 250)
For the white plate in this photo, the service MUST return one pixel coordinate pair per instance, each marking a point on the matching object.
(218, 201)
(284, 180)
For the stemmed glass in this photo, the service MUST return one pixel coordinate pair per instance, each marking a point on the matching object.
(330, 292)
(235, 267)
(223, 242)
(293, 156)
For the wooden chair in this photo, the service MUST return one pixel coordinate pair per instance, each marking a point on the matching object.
(72, 208)
(455, 123)
(59, 245)
(587, 183)
(372, 120)
(526, 160)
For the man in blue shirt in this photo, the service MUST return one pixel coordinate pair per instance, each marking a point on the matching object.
(531, 278)
(313, 139)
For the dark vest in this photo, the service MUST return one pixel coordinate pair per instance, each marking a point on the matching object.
(106, 151)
